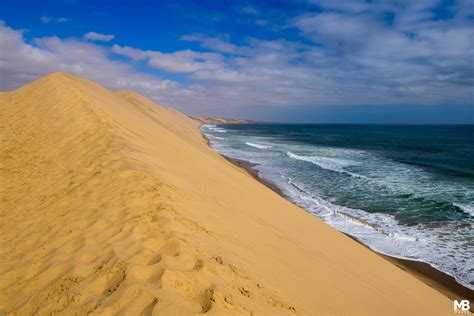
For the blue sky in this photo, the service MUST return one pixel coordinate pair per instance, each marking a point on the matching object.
(322, 61)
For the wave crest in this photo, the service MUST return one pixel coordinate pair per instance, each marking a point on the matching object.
(468, 209)
(327, 163)
(218, 129)
(257, 145)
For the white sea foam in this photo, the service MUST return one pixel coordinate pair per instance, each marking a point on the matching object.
(383, 233)
(214, 128)
(257, 145)
(215, 137)
(329, 163)
(291, 182)
(334, 164)
(402, 237)
(468, 209)
(218, 129)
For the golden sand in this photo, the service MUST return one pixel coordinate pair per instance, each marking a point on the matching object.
(112, 204)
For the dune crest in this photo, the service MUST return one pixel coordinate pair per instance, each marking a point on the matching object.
(110, 203)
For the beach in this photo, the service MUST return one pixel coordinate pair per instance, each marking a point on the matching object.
(113, 204)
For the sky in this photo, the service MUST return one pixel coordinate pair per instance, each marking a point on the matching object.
(321, 61)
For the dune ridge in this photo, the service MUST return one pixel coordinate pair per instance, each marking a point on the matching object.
(113, 204)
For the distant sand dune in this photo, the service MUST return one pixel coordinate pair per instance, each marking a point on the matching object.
(112, 204)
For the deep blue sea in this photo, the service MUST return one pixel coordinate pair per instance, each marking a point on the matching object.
(405, 191)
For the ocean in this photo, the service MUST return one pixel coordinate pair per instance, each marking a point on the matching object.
(403, 190)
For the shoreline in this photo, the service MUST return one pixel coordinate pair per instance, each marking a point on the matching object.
(444, 283)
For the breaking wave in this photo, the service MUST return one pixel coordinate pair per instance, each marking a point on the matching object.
(257, 145)
(328, 163)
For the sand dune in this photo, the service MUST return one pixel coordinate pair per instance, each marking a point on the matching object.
(112, 204)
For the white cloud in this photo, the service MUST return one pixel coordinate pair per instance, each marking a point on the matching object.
(130, 52)
(49, 19)
(337, 28)
(93, 36)
(414, 48)
(249, 10)
(185, 61)
(219, 44)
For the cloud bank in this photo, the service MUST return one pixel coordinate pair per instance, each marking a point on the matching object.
(332, 53)
(93, 36)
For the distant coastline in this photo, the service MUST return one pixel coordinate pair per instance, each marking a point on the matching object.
(220, 120)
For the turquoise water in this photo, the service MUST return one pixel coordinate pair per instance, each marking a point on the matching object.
(406, 191)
